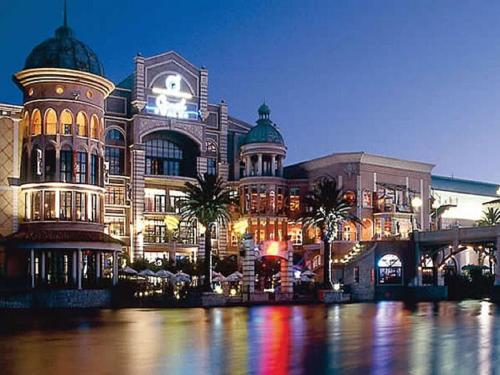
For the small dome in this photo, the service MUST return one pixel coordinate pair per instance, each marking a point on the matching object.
(64, 51)
(265, 131)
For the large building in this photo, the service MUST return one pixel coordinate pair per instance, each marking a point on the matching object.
(89, 167)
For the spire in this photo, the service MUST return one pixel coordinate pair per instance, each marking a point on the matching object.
(65, 14)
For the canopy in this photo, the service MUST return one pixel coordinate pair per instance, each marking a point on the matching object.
(129, 271)
(164, 274)
(146, 273)
(235, 276)
(182, 277)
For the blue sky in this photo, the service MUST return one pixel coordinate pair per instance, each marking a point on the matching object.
(417, 80)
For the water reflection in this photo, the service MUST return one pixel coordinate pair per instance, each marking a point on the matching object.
(384, 338)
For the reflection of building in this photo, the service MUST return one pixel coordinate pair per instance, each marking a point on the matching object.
(82, 153)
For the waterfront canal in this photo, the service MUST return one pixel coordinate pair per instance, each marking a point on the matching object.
(383, 338)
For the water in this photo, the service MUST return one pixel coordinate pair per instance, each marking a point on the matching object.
(383, 338)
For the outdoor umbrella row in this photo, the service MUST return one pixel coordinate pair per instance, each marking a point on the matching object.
(164, 274)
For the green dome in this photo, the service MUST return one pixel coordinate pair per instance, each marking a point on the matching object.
(265, 131)
(64, 51)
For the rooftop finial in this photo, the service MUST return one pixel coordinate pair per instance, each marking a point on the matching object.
(65, 14)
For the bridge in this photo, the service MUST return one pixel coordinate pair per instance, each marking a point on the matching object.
(435, 249)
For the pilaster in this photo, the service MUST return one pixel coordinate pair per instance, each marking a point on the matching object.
(138, 165)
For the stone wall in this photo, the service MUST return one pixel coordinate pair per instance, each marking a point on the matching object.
(57, 299)
(364, 289)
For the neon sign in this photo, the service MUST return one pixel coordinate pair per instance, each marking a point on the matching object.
(171, 101)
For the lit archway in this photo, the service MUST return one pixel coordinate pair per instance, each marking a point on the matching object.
(390, 270)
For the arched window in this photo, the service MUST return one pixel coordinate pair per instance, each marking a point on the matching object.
(163, 158)
(81, 124)
(36, 123)
(26, 124)
(50, 122)
(94, 127)
(66, 122)
(427, 267)
(390, 270)
(115, 152)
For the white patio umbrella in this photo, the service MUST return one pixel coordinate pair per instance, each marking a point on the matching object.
(129, 271)
(308, 273)
(219, 278)
(306, 279)
(182, 277)
(164, 274)
(235, 276)
(147, 273)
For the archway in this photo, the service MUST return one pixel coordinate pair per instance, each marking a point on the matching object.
(390, 270)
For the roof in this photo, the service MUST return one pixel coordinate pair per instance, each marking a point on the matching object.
(41, 236)
(64, 51)
(265, 131)
(458, 185)
(299, 170)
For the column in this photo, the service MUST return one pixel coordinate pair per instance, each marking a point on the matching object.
(248, 266)
(42, 266)
(32, 267)
(280, 166)
(115, 267)
(497, 264)
(259, 165)
(274, 171)
(287, 270)
(74, 269)
(418, 268)
(248, 166)
(138, 93)
(79, 268)
(138, 170)
(223, 169)
(98, 256)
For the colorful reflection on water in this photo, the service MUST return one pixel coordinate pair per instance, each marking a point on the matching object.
(383, 338)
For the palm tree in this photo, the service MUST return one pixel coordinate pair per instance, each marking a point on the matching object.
(326, 208)
(490, 217)
(208, 202)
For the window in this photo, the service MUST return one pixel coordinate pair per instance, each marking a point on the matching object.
(367, 198)
(81, 124)
(155, 231)
(390, 270)
(93, 208)
(81, 167)
(36, 205)
(49, 205)
(50, 122)
(65, 199)
(66, 122)
(211, 166)
(94, 127)
(66, 164)
(160, 203)
(36, 123)
(427, 271)
(175, 196)
(115, 157)
(94, 169)
(115, 195)
(356, 274)
(81, 206)
(163, 158)
(211, 147)
(26, 124)
(116, 225)
(50, 164)
(294, 199)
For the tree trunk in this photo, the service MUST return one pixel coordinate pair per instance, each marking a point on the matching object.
(327, 267)
(207, 282)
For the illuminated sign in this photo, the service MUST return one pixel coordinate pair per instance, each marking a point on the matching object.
(170, 101)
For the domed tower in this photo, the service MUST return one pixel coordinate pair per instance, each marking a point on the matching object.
(263, 188)
(62, 168)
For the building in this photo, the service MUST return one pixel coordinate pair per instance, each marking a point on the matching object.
(90, 168)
